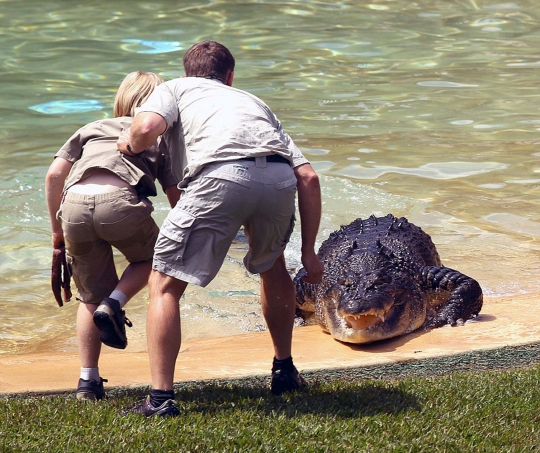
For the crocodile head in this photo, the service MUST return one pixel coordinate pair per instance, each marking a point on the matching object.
(373, 299)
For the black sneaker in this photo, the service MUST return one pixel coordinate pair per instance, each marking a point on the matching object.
(90, 390)
(144, 407)
(286, 381)
(111, 321)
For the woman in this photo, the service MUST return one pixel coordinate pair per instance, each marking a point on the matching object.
(97, 199)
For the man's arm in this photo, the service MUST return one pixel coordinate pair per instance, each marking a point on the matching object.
(144, 131)
(173, 195)
(54, 186)
(309, 205)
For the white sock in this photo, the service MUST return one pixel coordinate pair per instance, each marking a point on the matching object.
(90, 374)
(120, 297)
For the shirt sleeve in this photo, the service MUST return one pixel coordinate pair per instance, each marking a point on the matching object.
(163, 102)
(73, 148)
(167, 177)
(298, 157)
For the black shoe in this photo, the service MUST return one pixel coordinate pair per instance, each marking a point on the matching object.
(111, 321)
(90, 390)
(144, 407)
(286, 381)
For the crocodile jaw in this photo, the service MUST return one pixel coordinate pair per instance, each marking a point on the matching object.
(365, 321)
(373, 325)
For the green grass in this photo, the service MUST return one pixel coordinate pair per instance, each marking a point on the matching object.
(489, 411)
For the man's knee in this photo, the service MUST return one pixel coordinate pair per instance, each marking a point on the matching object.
(278, 266)
(161, 283)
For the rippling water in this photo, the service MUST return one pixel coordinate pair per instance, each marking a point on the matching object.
(426, 109)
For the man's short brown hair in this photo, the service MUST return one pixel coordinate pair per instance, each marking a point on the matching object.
(208, 59)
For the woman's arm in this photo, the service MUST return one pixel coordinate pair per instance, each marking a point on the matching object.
(54, 185)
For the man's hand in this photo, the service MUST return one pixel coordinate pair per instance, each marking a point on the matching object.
(144, 131)
(123, 142)
(313, 266)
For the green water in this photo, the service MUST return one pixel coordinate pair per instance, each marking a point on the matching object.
(426, 109)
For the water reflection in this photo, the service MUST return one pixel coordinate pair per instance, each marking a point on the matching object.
(67, 106)
(427, 110)
(150, 47)
(439, 170)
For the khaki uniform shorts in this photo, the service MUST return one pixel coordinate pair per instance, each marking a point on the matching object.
(258, 195)
(92, 225)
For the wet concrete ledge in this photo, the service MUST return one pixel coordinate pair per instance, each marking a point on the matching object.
(506, 335)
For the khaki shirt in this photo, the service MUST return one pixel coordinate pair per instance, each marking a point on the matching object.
(208, 121)
(93, 147)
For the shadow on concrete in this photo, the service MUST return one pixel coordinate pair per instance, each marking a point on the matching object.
(393, 344)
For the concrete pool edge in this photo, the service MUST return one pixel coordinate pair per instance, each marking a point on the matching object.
(506, 335)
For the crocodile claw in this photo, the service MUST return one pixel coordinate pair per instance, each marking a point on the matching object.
(60, 276)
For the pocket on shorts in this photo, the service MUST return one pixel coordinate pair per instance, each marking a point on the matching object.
(139, 246)
(289, 233)
(71, 214)
(78, 233)
(123, 220)
(286, 184)
(84, 294)
(230, 172)
(284, 194)
(174, 234)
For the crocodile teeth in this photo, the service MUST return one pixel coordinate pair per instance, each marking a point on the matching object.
(363, 322)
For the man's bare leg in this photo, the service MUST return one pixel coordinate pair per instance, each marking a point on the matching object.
(278, 306)
(163, 328)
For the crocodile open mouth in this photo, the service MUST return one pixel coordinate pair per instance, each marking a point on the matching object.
(364, 322)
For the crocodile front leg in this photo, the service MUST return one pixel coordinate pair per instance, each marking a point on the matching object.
(463, 298)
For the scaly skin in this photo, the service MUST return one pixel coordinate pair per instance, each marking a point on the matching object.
(384, 278)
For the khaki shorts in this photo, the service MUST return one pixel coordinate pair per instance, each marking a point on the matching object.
(92, 225)
(194, 239)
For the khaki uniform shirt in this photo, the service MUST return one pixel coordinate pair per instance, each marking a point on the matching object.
(208, 121)
(93, 147)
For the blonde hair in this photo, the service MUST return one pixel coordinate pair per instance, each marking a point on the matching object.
(133, 91)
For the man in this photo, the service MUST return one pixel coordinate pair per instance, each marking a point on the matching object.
(243, 170)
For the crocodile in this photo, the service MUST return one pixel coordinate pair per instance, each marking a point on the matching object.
(383, 278)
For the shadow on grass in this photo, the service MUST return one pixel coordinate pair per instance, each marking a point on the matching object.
(366, 398)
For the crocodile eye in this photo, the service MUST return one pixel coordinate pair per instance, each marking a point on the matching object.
(347, 279)
(382, 279)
